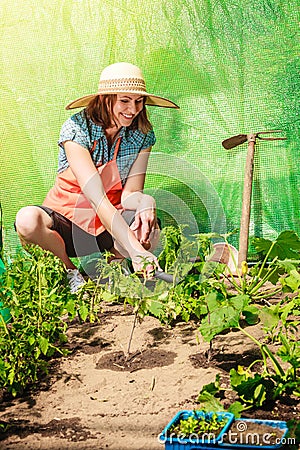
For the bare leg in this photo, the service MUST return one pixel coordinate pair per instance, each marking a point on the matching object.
(34, 227)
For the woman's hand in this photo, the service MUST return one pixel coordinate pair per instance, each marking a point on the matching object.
(145, 220)
(145, 263)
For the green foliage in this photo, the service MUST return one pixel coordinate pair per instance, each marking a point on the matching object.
(208, 399)
(199, 424)
(256, 389)
(280, 322)
(223, 313)
(1, 233)
(253, 390)
(172, 238)
(276, 258)
(87, 303)
(286, 246)
(33, 288)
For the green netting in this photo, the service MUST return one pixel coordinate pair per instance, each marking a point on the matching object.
(232, 66)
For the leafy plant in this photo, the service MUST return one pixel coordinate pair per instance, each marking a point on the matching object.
(285, 246)
(275, 258)
(33, 288)
(200, 424)
(1, 233)
(255, 389)
(128, 288)
(279, 322)
(172, 239)
(87, 303)
(210, 396)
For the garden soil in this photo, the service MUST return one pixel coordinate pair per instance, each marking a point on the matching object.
(97, 398)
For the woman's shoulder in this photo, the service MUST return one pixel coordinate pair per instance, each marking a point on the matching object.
(78, 118)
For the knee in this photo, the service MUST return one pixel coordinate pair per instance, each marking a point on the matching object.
(27, 221)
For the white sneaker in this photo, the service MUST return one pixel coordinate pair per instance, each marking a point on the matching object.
(75, 279)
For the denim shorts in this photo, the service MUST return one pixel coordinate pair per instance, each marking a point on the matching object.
(77, 241)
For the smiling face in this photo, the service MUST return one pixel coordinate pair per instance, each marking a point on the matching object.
(126, 109)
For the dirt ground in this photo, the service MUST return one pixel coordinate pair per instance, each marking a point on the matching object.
(93, 399)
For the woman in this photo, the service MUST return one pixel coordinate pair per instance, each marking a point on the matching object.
(97, 202)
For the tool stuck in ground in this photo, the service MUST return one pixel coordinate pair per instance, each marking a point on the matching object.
(228, 144)
(222, 252)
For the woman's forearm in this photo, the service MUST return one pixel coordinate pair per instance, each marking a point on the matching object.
(118, 228)
(111, 219)
(137, 200)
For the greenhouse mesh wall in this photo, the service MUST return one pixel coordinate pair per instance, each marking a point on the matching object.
(231, 65)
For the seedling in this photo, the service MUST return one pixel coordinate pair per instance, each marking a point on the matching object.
(191, 425)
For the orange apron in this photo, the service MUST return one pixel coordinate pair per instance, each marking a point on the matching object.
(67, 198)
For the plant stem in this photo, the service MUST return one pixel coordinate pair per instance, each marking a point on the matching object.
(40, 294)
(258, 276)
(265, 351)
(262, 281)
(268, 293)
(131, 333)
(275, 362)
(265, 260)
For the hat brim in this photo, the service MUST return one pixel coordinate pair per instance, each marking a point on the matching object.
(152, 100)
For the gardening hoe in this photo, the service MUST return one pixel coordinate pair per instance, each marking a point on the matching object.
(230, 143)
(164, 276)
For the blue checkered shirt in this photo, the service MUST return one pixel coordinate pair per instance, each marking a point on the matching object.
(77, 129)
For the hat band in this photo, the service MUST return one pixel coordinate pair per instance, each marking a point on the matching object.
(122, 85)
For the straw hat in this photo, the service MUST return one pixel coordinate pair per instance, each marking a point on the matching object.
(121, 78)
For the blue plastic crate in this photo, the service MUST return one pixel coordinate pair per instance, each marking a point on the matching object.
(252, 440)
(194, 442)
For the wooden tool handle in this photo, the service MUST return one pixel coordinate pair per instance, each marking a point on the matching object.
(246, 205)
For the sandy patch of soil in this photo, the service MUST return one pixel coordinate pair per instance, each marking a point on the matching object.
(97, 398)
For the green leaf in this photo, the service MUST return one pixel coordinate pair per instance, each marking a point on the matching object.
(212, 301)
(236, 408)
(251, 314)
(293, 280)
(239, 302)
(155, 308)
(287, 265)
(209, 403)
(224, 316)
(255, 390)
(31, 340)
(11, 376)
(83, 312)
(44, 344)
(269, 316)
(238, 376)
(287, 245)
(108, 296)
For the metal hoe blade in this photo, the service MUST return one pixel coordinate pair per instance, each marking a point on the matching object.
(239, 139)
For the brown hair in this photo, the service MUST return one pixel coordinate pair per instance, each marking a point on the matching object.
(100, 109)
